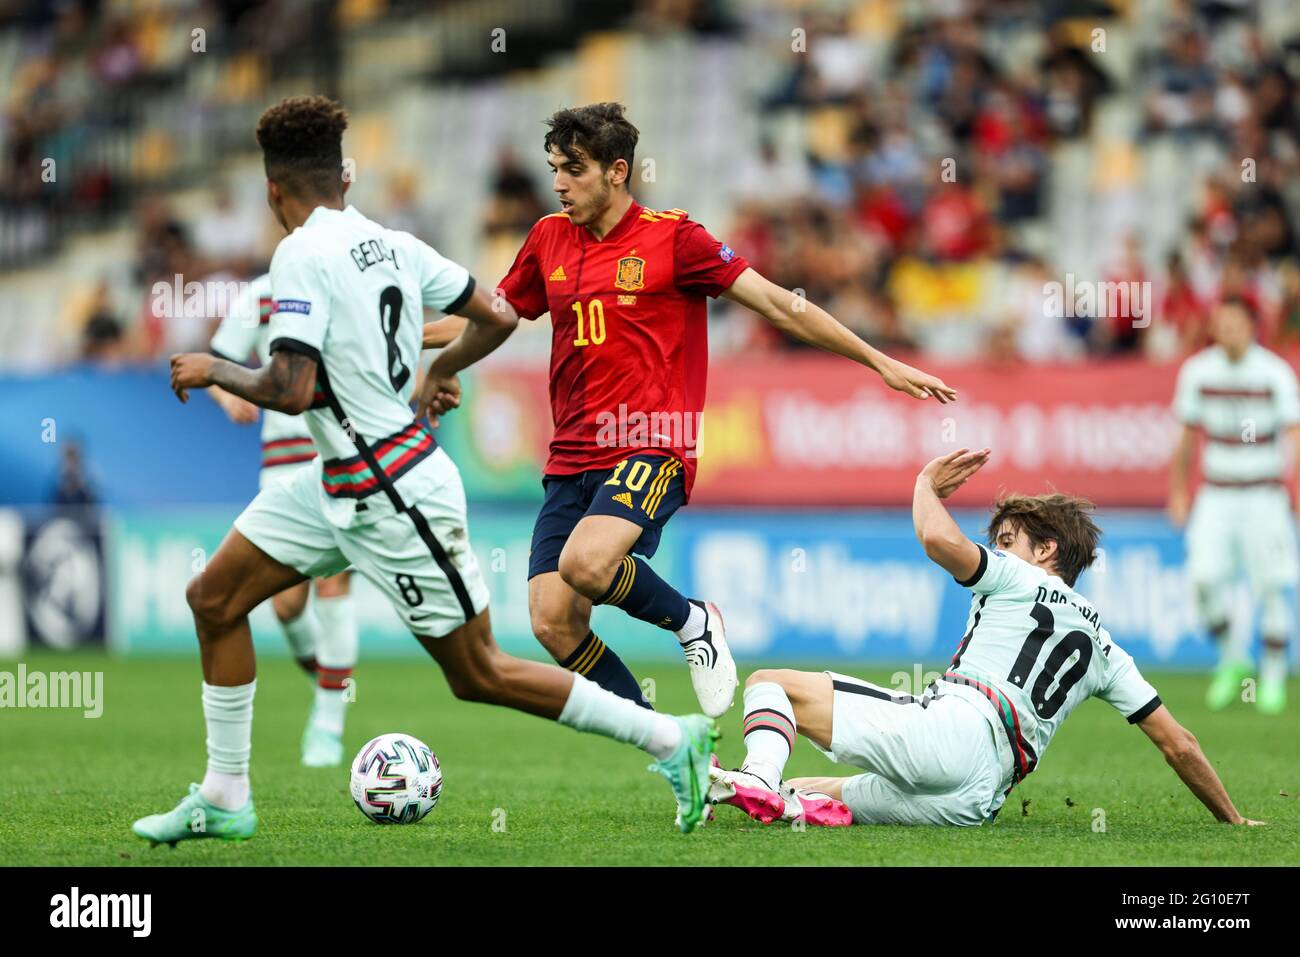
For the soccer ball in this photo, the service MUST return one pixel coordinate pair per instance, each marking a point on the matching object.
(396, 779)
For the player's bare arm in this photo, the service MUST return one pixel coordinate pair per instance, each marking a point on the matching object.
(809, 323)
(1293, 434)
(285, 384)
(1179, 470)
(442, 332)
(1183, 752)
(939, 535)
(490, 321)
(240, 411)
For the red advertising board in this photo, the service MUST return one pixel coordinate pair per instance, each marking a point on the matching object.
(810, 429)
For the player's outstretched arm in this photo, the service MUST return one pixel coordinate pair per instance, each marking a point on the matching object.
(808, 322)
(442, 332)
(491, 321)
(285, 384)
(1183, 752)
(1180, 466)
(942, 539)
(1293, 432)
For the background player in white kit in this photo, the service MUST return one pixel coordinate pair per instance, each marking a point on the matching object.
(322, 635)
(345, 335)
(1244, 398)
(1034, 649)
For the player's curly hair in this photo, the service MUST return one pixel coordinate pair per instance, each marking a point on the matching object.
(302, 145)
(600, 130)
(1063, 519)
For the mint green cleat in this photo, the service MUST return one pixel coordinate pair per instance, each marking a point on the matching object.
(195, 817)
(687, 770)
(1226, 685)
(1272, 697)
(321, 748)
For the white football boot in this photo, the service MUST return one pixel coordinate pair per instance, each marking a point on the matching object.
(746, 791)
(713, 670)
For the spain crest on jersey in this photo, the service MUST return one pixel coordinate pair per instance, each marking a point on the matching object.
(631, 273)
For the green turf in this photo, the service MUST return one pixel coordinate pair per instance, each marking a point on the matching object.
(70, 786)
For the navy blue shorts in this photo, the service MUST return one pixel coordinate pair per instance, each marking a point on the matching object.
(645, 488)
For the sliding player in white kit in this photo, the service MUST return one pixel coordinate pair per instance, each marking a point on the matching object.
(1244, 398)
(322, 635)
(1034, 649)
(345, 336)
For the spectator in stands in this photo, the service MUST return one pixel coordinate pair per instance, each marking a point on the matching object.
(1182, 308)
(1181, 99)
(228, 236)
(514, 205)
(102, 342)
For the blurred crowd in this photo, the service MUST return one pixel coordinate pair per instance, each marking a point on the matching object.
(917, 209)
(861, 221)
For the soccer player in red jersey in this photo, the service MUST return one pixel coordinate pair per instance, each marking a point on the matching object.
(626, 289)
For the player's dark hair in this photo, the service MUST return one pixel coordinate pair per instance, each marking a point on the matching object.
(600, 130)
(1063, 519)
(302, 145)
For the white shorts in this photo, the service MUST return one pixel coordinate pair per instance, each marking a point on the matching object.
(931, 760)
(421, 558)
(1242, 531)
(278, 474)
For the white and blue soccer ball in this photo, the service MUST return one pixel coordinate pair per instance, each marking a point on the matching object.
(396, 779)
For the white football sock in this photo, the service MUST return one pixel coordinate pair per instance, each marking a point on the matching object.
(1273, 663)
(336, 645)
(769, 731)
(329, 709)
(303, 634)
(695, 623)
(336, 654)
(591, 708)
(228, 712)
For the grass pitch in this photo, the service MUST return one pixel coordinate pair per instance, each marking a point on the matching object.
(520, 791)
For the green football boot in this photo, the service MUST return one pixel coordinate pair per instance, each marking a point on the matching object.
(687, 770)
(1271, 698)
(1226, 685)
(195, 817)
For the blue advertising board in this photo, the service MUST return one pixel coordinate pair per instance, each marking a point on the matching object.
(839, 586)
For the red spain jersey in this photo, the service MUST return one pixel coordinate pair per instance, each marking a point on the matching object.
(629, 341)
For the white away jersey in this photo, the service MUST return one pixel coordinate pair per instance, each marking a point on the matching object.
(243, 334)
(1034, 649)
(351, 294)
(1243, 407)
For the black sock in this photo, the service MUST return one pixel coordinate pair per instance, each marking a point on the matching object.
(644, 595)
(596, 661)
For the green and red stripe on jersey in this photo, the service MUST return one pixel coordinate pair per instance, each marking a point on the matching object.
(287, 451)
(397, 454)
(1022, 753)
